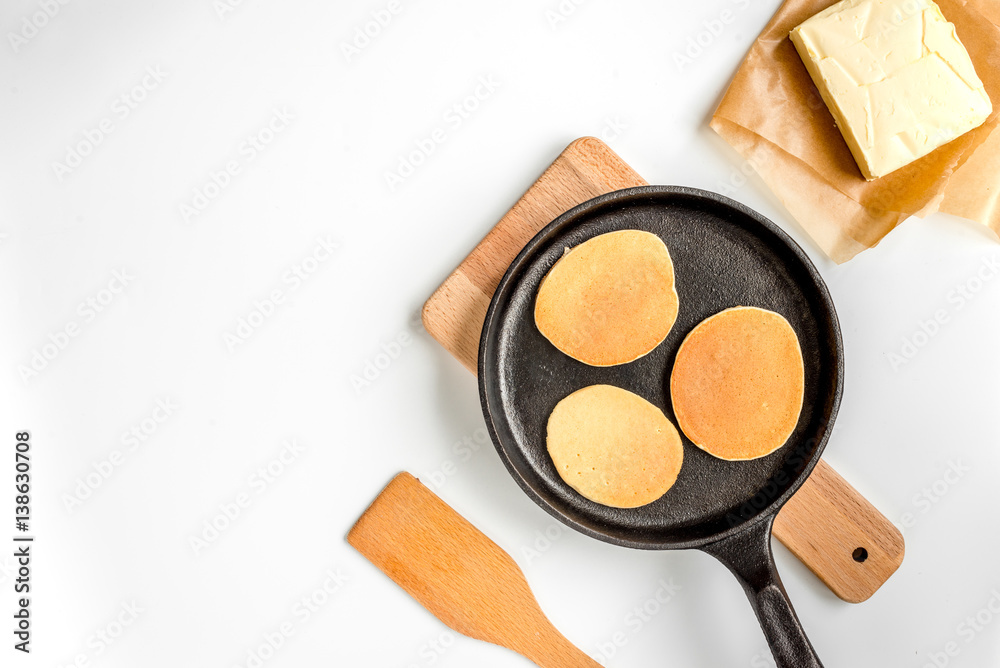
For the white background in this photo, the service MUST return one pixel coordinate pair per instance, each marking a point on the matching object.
(608, 68)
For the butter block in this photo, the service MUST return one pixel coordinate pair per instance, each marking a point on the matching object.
(895, 76)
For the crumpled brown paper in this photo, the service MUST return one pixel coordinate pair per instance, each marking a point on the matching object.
(774, 116)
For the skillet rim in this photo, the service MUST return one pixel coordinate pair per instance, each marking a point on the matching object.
(490, 335)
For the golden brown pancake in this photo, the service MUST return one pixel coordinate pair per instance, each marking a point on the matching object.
(614, 447)
(737, 383)
(610, 300)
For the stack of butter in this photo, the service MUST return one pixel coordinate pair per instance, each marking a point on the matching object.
(895, 76)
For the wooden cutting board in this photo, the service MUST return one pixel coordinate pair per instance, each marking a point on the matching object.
(828, 525)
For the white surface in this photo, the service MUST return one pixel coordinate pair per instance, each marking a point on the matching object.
(163, 337)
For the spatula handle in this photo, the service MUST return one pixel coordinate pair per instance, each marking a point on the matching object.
(557, 652)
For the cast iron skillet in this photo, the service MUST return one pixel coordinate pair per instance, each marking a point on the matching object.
(724, 255)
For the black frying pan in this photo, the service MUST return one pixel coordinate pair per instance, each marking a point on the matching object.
(724, 255)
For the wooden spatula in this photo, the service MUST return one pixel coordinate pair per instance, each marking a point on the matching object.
(457, 573)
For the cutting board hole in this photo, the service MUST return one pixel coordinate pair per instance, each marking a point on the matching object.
(860, 555)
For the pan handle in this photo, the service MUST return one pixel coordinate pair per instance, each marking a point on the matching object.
(747, 554)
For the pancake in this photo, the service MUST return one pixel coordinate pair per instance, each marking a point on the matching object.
(614, 447)
(610, 300)
(737, 383)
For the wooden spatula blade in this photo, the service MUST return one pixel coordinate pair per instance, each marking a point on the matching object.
(457, 573)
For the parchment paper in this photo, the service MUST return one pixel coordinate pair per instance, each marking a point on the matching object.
(773, 115)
